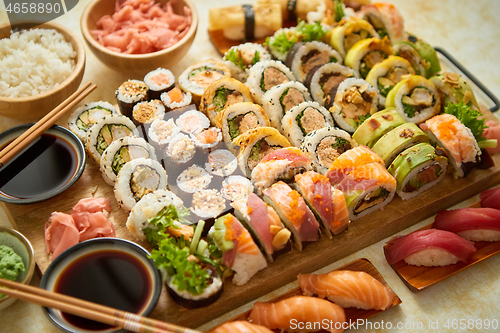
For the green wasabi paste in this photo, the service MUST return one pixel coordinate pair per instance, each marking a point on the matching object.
(11, 264)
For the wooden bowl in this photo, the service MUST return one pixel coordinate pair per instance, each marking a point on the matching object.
(35, 107)
(142, 63)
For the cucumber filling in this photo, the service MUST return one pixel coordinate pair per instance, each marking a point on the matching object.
(371, 199)
(108, 134)
(260, 149)
(86, 118)
(424, 176)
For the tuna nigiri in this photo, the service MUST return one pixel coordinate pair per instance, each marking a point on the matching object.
(299, 314)
(430, 247)
(241, 326)
(490, 198)
(347, 289)
(474, 224)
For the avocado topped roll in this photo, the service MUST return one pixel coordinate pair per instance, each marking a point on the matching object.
(420, 54)
(355, 101)
(366, 53)
(397, 140)
(384, 75)
(415, 98)
(240, 58)
(386, 19)
(219, 95)
(454, 89)
(323, 81)
(348, 32)
(372, 129)
(417, 169)
(266, 74)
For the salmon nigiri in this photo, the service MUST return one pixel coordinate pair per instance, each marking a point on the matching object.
(299, 314)
(347, 289)
(241, 326)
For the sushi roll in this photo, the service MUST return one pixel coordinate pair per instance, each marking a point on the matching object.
(161, 131)
(327, 204)
(219, 95)
(323, 81)
(208, 203)
(137, 178)
(280, 164)
(240, 58)
(415, 98)
(474, 224)
(324, 145)
(386, 74)
(355, 101)
(239, 251)
(266, 74)
(263, 223)
(85, 116)
(454, 89)
(197, 77)
(129, 93)
(350, 31)
(221, 162)
(420, 54)
(431, 247)
(105, 131)
(181, 148)
(176, 98)
(239, 118)
(255, 144)
(281, 98)
(373, 128)
(159, 81)
(347, 289)
(417, 169)
(394, 142)
(193, 179)
(241, 326)
(303, 56)
(367, 53)
(281, 42)
(192, 122)
(293, 212)
(386, 19)
(456, 139)
(236, 188)
(122, 151)
(148, 111)
(207, 138)
(304, 118)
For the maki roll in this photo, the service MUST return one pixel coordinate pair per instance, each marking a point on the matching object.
(304, 118)
(176, 98)
(207, 138)
(129, 93)
(397, 140)
(324, 145)
(294, 213)
(263, 223)
(219, 95)
(384, 75)
(255, 144)
(367, 53)
(181, 148)
(161, 131)
(415, 98)
(239, 118)
(193, 179)
(105, 131)
(159, 81)
(373, 128)
(208, 203)
(137, 178)
(240, 58)
(147, 112)
(266, 74)
(454, 89)
(323, 81)
(350, 31)
(304, 56)
(420, 54)
(355, 101)
(386, 19)
(417, 169)
(122, 151)
(281, 98)
(456, 139)
(236, 188)
(85, 116)
(221, 162)
(239, 251)
(192, 122)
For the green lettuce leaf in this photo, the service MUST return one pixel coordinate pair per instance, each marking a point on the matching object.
(234, 56)
(166, 217)
(310, 31)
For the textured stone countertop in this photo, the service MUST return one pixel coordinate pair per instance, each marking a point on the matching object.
(468, 30)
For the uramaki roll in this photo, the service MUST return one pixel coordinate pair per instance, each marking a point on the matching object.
(266, 74)
(420, 54)
(348, 32)
(386, 19)
(372, 129)
(240, 58)
(323, 81)
(454, 89)
(366, 53)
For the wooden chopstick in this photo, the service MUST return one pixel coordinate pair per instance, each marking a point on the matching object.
(89, 310)
(21, 142)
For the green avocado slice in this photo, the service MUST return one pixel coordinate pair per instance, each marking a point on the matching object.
(372, 129)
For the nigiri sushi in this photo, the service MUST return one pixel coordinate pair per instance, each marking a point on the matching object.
(474, 224)
(241, 326)
(347, 289)
(299, 314)
(431, 247)
(490, 198)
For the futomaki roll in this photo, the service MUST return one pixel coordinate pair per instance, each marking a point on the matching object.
(323, 81)
(367, 53)
(373, 128)
(350, 31)
(420, 54)
(266, 74)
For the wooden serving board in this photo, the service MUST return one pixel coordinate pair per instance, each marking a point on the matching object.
(396, 216)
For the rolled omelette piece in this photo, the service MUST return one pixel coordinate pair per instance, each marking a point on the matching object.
(366, 53)
(348, 32)
(246, 22)
(386, 19)
(420, 54)
(454, 89)
(373, 128)
(386, 74)
(417, 169)
(415, 98)
(397, 140)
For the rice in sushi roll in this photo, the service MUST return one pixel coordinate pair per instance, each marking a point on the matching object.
(138, 178)
(192, 122)
(176, 98)
(366, 53)
(181, 148)
(373, 128)
(148, 111)
(193, 179)
(159, 81)
(161, 131)
(129, 93)
(323, 81)
(240, 58)
(236, 188)
(304, 118)
(266, 74)
(207, 138)
(208, 203)
(85, 116)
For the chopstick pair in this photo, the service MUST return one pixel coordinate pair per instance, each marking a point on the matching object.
(89, 310)
(21, 142)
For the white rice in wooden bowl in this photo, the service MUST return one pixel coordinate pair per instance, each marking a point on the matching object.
(34, 61)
